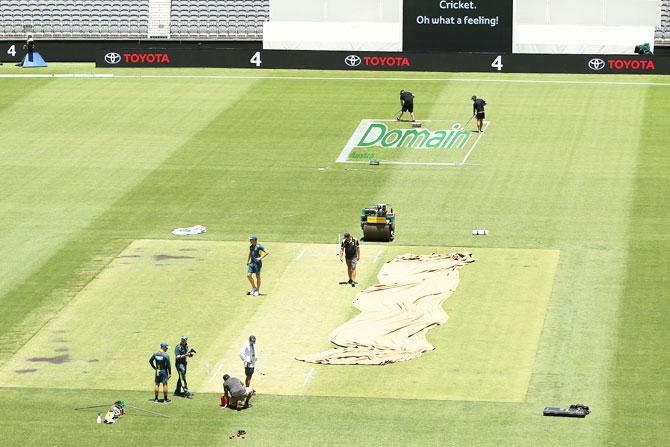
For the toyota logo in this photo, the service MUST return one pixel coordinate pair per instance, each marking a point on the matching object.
(596, 64)
(352, 60)
(112, 58)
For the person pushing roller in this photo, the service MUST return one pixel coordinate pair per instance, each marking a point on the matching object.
(478, 111)
(406, 104)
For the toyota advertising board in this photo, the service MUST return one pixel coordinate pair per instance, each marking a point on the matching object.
(381, 61)
(137, 58)
(114, 57)
(112, 54)
(619, 64)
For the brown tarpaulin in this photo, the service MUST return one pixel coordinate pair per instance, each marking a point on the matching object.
(397, 313)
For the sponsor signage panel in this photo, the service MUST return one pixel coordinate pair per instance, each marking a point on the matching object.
(457, 25)
(379, 61)
(211, 54)
(166, 54)
(137, 58)
(438, 142)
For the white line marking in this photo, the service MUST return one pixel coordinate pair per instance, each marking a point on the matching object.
(216, 373)
(415, 163)
(316, 78)
(418, 121)
(475, 144)
(61, 75)
(351, 144)
(301, 254)
(308, 377)
(379, 253)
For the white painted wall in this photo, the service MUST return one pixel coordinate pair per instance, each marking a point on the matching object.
(343, 25)
(336, 10)
(583, 26)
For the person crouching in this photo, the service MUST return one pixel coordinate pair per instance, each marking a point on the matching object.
(235, 393)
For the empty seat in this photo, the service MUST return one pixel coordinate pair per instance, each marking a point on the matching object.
(208, 18)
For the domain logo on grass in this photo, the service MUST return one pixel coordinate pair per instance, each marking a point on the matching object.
(440, 142)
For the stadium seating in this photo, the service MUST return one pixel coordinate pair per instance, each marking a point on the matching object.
(662, 36)
(230, 19)
(69, 19)
(130, 19)
(188, 19)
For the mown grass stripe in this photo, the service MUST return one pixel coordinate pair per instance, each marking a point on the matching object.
(69, 201)
(332, 78)
(641, 366)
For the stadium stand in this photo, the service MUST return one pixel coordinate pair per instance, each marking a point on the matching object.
(68, 19)
(134, 19)
(165, 19)
(230, 19)
(662, 36)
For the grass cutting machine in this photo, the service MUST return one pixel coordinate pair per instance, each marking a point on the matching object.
(378, 223)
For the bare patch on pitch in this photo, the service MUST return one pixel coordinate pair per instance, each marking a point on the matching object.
(56, 360)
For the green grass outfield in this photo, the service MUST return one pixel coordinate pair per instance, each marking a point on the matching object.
(566, 303)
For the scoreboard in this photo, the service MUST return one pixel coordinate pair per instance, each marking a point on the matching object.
(457, 26)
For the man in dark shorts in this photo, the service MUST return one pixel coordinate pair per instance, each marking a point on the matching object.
(181, 356)
(160, 362)
(351, 251)
(478, 111)
(235, 393)
(254, 264)
(248, 356)
(406, 104)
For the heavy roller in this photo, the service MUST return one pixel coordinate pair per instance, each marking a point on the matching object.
(378, 223)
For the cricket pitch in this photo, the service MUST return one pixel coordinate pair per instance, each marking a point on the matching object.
(157, 290)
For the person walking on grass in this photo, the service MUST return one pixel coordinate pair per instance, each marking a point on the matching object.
(160, 362)
(406, 104)
(254, 264)
(478, 111)
(248, 356)
(350, 250)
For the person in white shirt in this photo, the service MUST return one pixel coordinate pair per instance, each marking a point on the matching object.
(248, 356)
